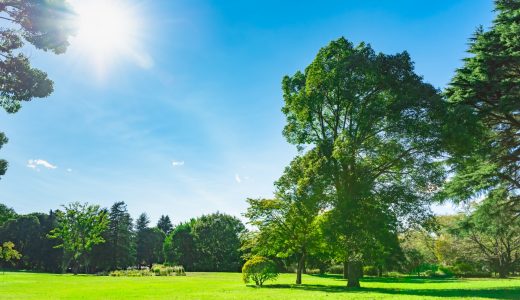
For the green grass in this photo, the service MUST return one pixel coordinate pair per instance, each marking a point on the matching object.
(21, 285)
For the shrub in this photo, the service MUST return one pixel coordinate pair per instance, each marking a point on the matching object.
(259, 269)
(370, 271)
(335, 269)
(156, 270)
(131, 273)
(162, 270)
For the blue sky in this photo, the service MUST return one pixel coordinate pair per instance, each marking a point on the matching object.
(191, 124)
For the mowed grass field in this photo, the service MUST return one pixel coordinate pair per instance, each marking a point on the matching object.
(21, 285)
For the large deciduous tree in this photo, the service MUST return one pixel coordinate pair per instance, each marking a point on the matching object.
(217, 243)
(46, 25)
(376, 123)
(485, 96)
(80, 227)
(179, 246)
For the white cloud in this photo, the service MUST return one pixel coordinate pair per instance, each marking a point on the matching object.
(69, 170)
(35, 163)
(177, 163)
(237, 178)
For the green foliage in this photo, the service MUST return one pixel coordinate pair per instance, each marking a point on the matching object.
(8, 253)
(150, 246)
(376, 126)
(6, 213)
(118, 251)
(131, 273)
(163, 270)
(142, 222)
(79, 228)
(208, 243)
(485, 100)
(29, 233)
(289, 224)
(47, 25)
(370, 270)
(3, 163)
(149, 242)
(494, 231)
(217, 241)
(165, 224)
(259, 269)
(179, 246)
(120, 237)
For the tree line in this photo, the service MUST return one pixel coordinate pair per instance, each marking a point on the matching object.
(89, 239)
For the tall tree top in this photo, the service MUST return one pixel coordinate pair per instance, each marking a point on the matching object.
(142, 222)
(165, 224)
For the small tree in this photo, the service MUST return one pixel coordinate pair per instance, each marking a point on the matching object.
(8, 253)
(259, 269)
(79, 228)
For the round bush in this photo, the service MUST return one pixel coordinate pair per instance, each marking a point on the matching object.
(259, 269)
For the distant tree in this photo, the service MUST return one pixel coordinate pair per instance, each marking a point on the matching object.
(120, 236)
(29, 233)
(149, 242)
(377, 125)
(179, 246)
(484, 94)
(217, 241)
(165, 224)
(24, 232)
(6, 213)
(8, 253)
(47, 25)
(495, 231)
(79, 228)
(49, 258)
(150, 246)
(289, 224)
(142, 222)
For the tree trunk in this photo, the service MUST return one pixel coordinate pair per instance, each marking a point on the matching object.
(345, 269)
(502, 272)
(379, 271)
(299, 270)
(354, 274)
(75, 267)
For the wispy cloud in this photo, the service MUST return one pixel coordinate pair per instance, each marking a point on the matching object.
(237, 178)
(36, 163)
(177, 163)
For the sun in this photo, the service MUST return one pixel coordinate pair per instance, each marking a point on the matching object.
(108, 30)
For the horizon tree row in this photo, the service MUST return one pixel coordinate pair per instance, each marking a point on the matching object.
(88, 239)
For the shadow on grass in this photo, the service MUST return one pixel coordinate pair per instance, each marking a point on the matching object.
(493, 293)
(404, 279)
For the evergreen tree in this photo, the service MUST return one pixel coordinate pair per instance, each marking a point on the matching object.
(120, 237)
(165, 224)
(484, 94)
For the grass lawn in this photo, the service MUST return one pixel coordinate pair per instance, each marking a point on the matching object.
(21, 285)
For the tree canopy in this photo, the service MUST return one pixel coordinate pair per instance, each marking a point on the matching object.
(80, 227)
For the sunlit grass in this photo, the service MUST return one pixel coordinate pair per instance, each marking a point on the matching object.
(22, 285)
